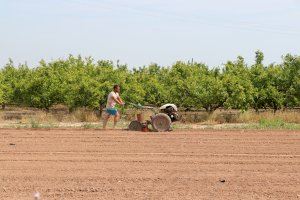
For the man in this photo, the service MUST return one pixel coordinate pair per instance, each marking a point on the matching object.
(112, 99)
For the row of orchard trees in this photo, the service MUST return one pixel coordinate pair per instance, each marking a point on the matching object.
(77, 82)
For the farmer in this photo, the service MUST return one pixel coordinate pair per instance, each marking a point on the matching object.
(112, 99)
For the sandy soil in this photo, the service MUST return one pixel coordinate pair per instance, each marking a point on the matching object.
(94, 164)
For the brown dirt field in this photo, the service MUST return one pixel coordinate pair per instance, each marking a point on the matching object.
(95, 164)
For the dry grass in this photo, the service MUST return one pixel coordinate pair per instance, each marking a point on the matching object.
(35, 118)
(290, 116)
(26, 115)
(234, 116)
(81, 115)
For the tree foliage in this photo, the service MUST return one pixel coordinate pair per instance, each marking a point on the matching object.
(83, 82)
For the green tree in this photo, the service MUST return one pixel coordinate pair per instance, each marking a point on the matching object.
(152, 82)
(275, 97)
(236, 79)
(290, 83)
(210, 92)
(83, 82)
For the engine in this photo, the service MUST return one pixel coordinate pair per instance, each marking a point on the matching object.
(171, 110)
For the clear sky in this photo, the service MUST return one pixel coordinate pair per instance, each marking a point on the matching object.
(138, 32)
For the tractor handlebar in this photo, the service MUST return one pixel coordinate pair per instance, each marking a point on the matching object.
(139, 106)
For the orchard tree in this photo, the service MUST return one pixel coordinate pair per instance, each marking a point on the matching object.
(290, 84)
(259, 78)
(2, 91)
(275, 97)
(211, 92)
(83, 82)
(8, 82)
(236, 79)
(153, 84)
(182, 83)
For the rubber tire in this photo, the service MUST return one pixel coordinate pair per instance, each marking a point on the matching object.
(135, 126)
(161, 122)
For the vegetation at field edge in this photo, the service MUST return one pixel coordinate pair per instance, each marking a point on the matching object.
(82, 82)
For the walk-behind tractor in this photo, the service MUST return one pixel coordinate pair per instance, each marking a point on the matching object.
(160, 120)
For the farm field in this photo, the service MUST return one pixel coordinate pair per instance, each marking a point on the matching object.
(117, 164)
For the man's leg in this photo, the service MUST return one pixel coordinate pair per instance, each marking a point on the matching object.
(116, 119)
(105, 119)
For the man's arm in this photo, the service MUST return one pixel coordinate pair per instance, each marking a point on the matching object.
(121, 100)
(118, 100)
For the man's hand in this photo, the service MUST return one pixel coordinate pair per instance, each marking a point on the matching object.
(122, 103)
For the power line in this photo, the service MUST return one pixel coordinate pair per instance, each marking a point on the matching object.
(194, 19)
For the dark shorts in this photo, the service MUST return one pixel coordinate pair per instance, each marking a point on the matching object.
(112, 111)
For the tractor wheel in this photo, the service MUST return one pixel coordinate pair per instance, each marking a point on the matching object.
(135, 126)
(161, 122)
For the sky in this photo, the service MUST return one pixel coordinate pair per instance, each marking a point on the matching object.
(141, 32)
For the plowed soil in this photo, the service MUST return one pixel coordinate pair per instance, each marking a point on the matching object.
(95, 164)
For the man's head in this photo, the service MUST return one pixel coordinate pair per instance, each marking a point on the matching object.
(117, 88)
